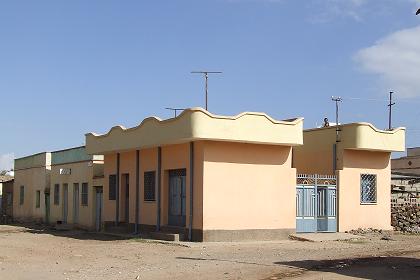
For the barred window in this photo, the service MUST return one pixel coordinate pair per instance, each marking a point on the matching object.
(56, 194)
(85, 195)
(112, 187)
(38, 199)
(22, 195)
(149, 186)
(368, 188)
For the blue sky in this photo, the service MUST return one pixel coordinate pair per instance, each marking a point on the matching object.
(67, 68)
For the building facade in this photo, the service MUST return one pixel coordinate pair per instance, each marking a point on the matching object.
(76, 180)
(358, 155)
(6, 200)
(31, 187)
(212, 177)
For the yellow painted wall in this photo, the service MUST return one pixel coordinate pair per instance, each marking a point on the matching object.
(81, 172)
(173, 157)
(316, 157)
(353, 214)
(33, 179)
(248, 186)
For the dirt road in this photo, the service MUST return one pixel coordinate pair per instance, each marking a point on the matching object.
(28, 253)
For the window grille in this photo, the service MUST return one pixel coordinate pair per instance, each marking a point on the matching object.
(56, 194)
(368, 188)
(22, 195)
(112, 194)
(149, 186)
(38, 199)
(85, 194)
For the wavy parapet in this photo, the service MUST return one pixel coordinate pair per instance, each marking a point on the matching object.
(198, 124)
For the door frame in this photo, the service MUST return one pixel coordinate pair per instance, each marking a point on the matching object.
(76, 202)
(316, 203)
(65, 202)
(98, 207)
(177, 220)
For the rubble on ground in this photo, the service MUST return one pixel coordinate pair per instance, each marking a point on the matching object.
(406, 218)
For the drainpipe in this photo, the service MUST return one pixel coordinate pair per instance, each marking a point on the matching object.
(191, 190)
(117, 192)
(159, 182)
(136, 226)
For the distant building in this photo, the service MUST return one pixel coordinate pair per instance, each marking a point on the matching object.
(409, 164)
(6, 199)
(405, 190)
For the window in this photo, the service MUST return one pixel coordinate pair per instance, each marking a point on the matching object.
(149, 186)
(84, 194)
(367, 188)
(38, 199)
(22, 195)
(56, 194)
(112, 187)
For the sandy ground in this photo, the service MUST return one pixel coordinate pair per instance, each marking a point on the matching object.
(31, 253)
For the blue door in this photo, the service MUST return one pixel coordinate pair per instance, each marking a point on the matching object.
(316, 203)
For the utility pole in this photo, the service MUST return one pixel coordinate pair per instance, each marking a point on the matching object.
(206, 77)
(390, 110)
(337, 100)
(175, 110)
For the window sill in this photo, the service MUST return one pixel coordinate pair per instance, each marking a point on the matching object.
(368, 203)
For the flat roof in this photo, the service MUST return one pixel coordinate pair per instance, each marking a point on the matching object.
(198, 124)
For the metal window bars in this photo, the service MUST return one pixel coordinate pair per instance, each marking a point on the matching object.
(368, 188)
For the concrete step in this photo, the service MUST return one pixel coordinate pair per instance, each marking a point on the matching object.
(118, 229)
(64, 227)
(166, 236)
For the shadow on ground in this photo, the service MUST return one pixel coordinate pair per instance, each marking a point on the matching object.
(76, 234)
(386, 267)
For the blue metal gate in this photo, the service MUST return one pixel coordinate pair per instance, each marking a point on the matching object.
(316, 203)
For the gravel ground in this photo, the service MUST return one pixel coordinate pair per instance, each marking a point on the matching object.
(34, 253)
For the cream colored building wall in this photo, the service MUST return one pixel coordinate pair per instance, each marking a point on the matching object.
(33, 179)
(173, 157)
(316, 155)
(352, 213)
(81, 172)
(248, 186)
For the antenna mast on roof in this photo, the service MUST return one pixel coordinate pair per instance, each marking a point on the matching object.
(175, 110)
(337, 100)
(206, 77)
(390, 110)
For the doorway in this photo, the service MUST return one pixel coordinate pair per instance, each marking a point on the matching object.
(126, 197)
(65, 202)
(177, 196)
(98, 208)
(75, 203)
(47, 207)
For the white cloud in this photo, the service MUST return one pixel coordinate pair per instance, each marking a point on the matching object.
(6, 161)
(396, 59)
(327, 10)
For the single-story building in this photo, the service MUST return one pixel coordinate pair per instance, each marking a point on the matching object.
(6, 199)
(212, 177)
(346, 177)
(76, 188)
(31, 187)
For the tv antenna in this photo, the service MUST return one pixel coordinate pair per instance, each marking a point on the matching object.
(206, 77)
(175, 110)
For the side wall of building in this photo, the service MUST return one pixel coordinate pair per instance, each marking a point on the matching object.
(248, 191)
(33, 180)
(352, 213)
(81, 172)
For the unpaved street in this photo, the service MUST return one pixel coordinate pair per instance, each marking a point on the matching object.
(33, 253)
